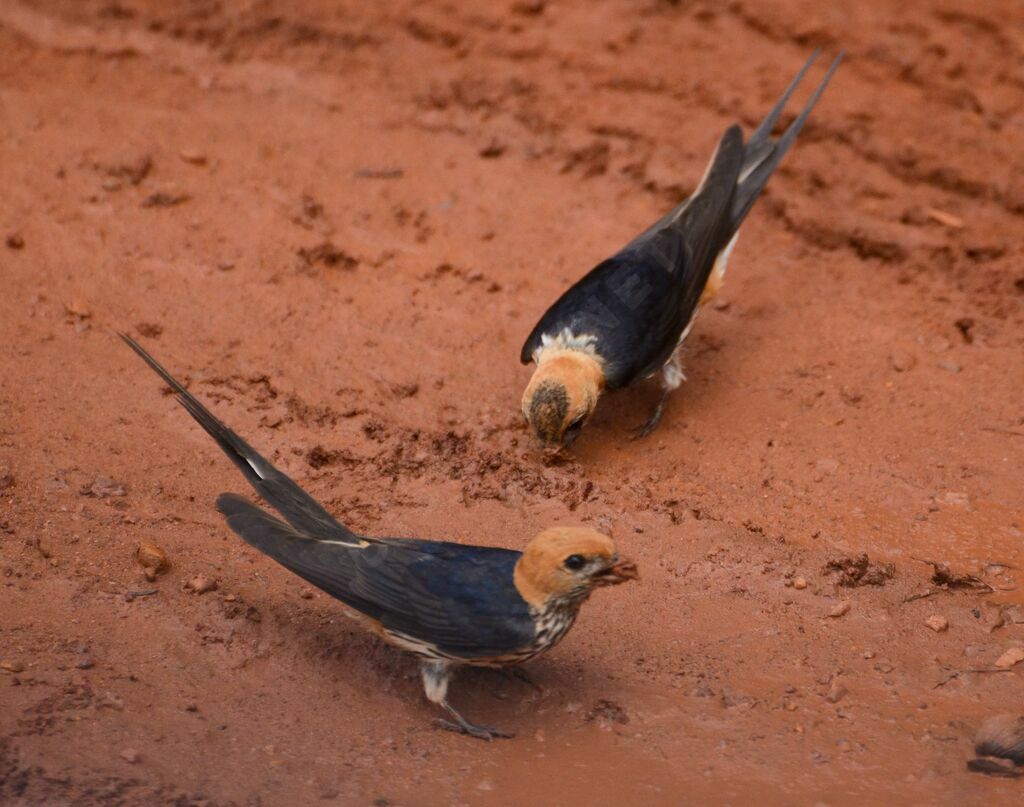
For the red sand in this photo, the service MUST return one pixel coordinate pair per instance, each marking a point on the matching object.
(338, 225)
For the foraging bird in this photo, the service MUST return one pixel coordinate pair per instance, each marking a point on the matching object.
(449, 604)
(628, 317)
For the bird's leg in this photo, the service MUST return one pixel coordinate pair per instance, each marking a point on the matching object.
(671, 377)
(436, 675)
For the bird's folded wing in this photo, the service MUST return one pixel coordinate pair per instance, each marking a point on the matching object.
(458, 598)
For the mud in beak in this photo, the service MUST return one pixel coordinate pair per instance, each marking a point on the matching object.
(618, 572)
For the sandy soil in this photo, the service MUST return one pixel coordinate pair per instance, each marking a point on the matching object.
(338, 221)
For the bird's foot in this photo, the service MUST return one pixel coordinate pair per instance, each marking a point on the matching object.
(480, 732)
(459, 724)
(652, 421)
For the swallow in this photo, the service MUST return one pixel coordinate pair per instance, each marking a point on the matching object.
(448, 604)
(628, 317)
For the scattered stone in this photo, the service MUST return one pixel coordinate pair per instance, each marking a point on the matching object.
(840, 609)
(1014, 655)
(937, 623)
(192, 157)
(949, 366)
(12, 666)
(799, 583)
(130, 755)
(77, 311)
(306, 594)
(102, 487)
(836, 692)
(326, 254)
(944, 218)
(153, 559)
(6, 479)
(902, 362)
(492, 150)
(86, 663)
(165, 199)
(133, 172)
(15, 241)
(149, 329)
(201, 584)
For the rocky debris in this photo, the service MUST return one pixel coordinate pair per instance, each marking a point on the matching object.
(836, 692)
(200, 584)
(12, 666)
(102, 487)
(6, 479)
(1013, 656)
(902, 362)
(999, 745)
(130, 755)
(165, 199)
(858, 570)
(149, 329)
(937, 623)
(328, 255)
(607, 712)
(152, 559)
(943, 576)
(15, 241)
(192, 157)
(839, 609)
(799, 583)
(116, 176)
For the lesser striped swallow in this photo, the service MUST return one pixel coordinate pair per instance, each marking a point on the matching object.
(449, 604)
(628, 317)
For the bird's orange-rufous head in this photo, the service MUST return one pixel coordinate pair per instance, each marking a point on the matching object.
(567, 563)
(561, 395)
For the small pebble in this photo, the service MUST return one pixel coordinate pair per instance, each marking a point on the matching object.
(201, 584)
(949, 366)
(130, 755)
(839, 610)
(836, 692)
(306, 594)
(902, 362)
(12, 666)
(15, 241)
(1014, 655)
(152, 558)
(799, 583)
(937, 623)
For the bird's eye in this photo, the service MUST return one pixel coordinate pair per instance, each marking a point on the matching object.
(575, 562)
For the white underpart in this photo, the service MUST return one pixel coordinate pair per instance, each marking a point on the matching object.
(672, 374)
(565, 340)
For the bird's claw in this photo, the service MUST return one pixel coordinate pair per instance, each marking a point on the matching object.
(487, 733)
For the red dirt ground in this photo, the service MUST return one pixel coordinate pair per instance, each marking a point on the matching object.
(337, 222)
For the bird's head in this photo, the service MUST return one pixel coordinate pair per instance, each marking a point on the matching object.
(567, 563)
(561, 396)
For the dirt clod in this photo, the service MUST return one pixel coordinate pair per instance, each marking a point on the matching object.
(152, 558)
(937, 623)
(858, 570)
(201, 584)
